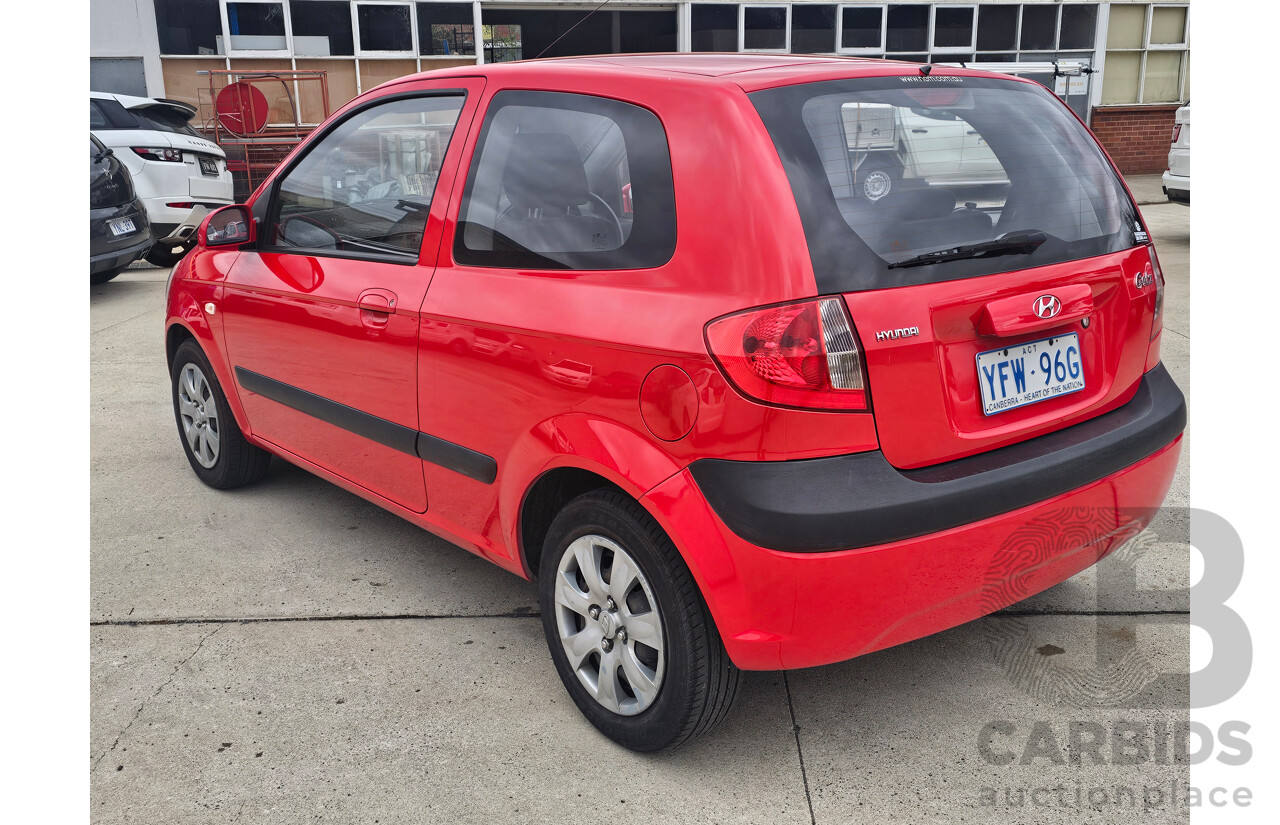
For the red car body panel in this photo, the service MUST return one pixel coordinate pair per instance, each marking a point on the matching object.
(540, 370)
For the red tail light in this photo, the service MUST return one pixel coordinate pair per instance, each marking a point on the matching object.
(795, 355)
(1177, 130)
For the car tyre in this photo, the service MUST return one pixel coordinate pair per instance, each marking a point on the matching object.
(105, 275)
(877, 178)
(665, 680)
(166, 256)
(218, 452)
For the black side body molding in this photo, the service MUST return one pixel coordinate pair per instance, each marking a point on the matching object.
(388, 433)
(860, 500)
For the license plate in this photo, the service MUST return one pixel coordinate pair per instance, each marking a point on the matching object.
(208, 166)
(1031, 372)
(121, 226)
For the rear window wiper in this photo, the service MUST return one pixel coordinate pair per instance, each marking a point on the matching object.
(1013, 243)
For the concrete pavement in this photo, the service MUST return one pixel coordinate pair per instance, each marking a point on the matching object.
(290, 652)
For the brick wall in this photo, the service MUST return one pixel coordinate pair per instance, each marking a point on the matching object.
(1137, 137)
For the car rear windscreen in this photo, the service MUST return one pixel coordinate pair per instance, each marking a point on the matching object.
(918, 179)
(165, 120)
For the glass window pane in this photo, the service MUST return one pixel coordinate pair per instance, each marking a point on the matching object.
(1160, 85)
(1079, 23)
(188, 26)
(908, 28)
(911, 58)
(366, 188)
(503, 43)
(1120, 77)
(953, 27)
(997, 27)
(764, 28)
(903, 173)
(321, 29)
(446, 28)
(551, 186)
(860, 28)
(951, 57)
(1168, 25)
(256, 26)
(998, 57)
(813, 29)
(1124, 28)
(1039, 27)
(714, 27)
(385, 28)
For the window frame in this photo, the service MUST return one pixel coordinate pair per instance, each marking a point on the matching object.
(269, 215)
(411, 53)
(970, 49)
(860, 50)
(742, 28)
(231, 53)
(477, 36)
(1147, 47)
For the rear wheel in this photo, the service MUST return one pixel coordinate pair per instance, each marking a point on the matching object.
(877, 178)
(629, 633)
(218, 452)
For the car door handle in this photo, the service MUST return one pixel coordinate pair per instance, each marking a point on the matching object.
(381, 301)
(971, 132)
(376, 307)
(919, 131)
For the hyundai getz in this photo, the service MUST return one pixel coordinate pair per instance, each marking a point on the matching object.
(631, 327)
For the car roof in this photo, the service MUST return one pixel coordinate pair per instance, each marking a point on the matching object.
(749, 71)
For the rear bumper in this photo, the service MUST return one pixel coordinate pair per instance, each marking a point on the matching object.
(919, 553)
(1177, 187)
(109, 252)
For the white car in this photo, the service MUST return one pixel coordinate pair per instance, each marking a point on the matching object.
(1177, 178)
(889, 143)
(179, 174)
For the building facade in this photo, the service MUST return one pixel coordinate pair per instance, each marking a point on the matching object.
(1139, 51)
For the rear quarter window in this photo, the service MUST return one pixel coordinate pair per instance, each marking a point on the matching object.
(568, 181)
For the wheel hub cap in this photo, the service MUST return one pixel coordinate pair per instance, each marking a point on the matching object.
(198, 414)
(609, 625)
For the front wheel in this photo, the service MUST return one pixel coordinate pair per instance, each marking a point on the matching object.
(630, 635)
(218, 452)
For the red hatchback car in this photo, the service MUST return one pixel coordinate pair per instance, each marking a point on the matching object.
(751, 362)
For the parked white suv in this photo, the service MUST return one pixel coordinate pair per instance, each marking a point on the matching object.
(179, 174)
(1177, 178)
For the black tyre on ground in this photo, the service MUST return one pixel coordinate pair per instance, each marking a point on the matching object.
(165, 255)
(628, 630)
(104, 276)
(217, 450)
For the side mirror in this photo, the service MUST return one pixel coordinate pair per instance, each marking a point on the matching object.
(229, 226)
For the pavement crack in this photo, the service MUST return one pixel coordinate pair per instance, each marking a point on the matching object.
(157, 692)
(795, 730)
(125, 321)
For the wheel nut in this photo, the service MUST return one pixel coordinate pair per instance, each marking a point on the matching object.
(608, 604)
(622, 635)
(593, 612)
(606, 644)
